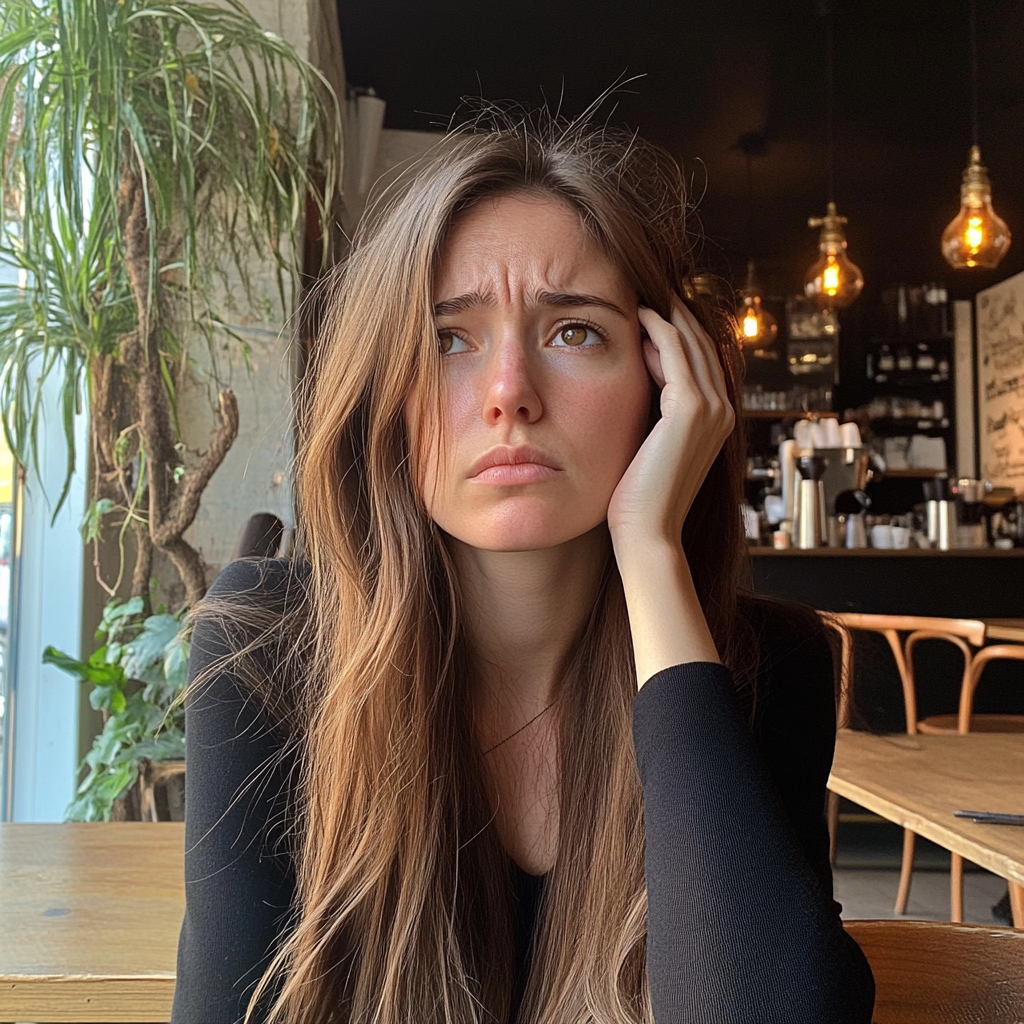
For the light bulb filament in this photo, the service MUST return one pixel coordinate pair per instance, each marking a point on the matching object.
(751, 328)
(974, 236)
(830, 279)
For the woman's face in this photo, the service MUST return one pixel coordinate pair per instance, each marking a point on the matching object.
(546, 396)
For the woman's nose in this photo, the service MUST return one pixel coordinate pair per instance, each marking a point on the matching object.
(511, 393)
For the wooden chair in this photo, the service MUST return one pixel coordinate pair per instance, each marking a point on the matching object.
(150, 776)
(931, 972)
(262, 535)
(967, 721)
(961, 633)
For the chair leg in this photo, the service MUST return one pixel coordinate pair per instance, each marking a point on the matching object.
(1017, 905)
(956, 888)
(147, 797)
(832, 816)
(906, 871)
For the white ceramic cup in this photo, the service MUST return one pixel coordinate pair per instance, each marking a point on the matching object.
(900, 536)
(881, 536)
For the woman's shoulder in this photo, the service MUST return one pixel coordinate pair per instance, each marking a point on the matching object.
(785, 629)
(243, 639)
(796, 656)
(259, 581)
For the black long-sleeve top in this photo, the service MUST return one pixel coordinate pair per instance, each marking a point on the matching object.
(742, 927)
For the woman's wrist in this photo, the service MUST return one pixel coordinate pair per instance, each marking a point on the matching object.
(642, 547)
(666, 620)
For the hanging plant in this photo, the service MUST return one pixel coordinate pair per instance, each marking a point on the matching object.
(157, 152)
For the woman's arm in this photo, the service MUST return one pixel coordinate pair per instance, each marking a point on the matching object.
(239, 886)
(650, 504)
(741, 927)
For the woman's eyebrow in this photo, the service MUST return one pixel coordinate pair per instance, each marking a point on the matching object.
(461, 303)
(576, 299)
(567, 300)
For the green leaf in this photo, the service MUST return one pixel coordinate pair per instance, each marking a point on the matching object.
(91, 526)
(168, 746)
(117, 616)
(158, 633)
(176, 663)
(100, 675)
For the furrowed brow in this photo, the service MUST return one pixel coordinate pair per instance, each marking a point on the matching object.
(461, 303)
(572, 300)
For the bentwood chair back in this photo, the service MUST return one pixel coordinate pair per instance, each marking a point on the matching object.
(931, 972)
(928, 972)
(962, 634)
(959, 632)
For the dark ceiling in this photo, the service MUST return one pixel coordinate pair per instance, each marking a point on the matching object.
(716, 70)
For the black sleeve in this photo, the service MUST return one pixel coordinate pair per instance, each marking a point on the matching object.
(742, 927)
(239, 880)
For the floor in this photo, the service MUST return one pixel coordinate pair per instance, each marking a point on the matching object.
(866, 875)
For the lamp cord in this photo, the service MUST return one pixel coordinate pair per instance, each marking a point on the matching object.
(830, 96)
(974, 72)
(750, 206)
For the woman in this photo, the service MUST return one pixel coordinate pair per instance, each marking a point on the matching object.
(422, 785)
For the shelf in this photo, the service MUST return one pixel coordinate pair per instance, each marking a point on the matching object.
(824, 552)
(913, 474)
(789, 414)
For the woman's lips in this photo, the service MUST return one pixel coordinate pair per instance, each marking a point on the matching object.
(520, 473)
(508, 464)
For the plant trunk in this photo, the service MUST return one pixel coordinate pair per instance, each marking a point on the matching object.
(172, 504)
(112, 414)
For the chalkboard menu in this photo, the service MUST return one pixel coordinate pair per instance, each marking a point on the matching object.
(1000, 332)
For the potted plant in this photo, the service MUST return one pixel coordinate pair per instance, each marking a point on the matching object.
(154, 151)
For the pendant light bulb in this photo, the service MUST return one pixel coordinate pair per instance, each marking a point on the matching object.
(977, 236)
(834, 280)
(756, 327)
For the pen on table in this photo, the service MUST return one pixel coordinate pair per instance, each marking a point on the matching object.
(991, 817)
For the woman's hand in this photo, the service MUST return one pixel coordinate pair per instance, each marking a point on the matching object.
(655, 493)
(650, 503)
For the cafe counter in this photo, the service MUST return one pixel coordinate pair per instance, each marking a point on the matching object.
(983, 583)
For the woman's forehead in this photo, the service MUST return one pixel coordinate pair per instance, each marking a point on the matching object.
(518, 248)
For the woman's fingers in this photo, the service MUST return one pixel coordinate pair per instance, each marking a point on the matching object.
(672, 361)
(684, 359)
(705, 354)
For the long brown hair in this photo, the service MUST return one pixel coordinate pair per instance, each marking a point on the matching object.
(405, 907)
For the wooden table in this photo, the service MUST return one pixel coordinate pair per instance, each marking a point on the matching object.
(89, 921)
(919, 781)
(1007, 630)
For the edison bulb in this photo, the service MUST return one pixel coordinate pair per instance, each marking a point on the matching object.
(756, 327)
(834, 280)
(977, 236)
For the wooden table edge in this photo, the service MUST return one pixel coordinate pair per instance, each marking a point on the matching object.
(1009, 630)
(937, 833)
(138, 999)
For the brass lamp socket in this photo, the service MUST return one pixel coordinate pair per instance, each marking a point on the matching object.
(832, 227)
(976, 187)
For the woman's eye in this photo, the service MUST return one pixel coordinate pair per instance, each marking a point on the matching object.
(451, 343)
(575, 335)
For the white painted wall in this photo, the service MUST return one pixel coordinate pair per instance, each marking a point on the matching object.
(255, 474)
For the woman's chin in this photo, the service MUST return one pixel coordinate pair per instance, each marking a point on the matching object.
(525, 535)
